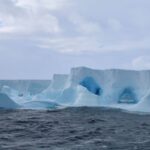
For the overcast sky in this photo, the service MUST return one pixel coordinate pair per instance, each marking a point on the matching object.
(41, 37)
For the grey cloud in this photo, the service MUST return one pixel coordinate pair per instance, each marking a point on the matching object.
(102, 34)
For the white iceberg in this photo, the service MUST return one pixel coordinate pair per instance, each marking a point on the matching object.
(126, 89)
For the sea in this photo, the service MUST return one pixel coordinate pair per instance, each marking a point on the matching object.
(78, 128)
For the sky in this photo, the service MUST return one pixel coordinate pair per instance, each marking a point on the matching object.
(39, 38)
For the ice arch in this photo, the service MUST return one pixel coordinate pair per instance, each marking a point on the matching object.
(90, 84)
(127, 96)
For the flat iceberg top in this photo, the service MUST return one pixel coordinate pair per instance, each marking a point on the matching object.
(112, 69)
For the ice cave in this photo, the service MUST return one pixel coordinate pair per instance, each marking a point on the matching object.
(128, 96)
(91, 85)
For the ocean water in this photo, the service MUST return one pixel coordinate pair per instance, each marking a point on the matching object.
(74, 129)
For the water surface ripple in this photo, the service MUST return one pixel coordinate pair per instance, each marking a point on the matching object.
(74, 129)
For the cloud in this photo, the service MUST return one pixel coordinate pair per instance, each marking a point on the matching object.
(70, 26)
(35, 5)
(75, 45)
(142, 62)
(83, 26)
(29, 17)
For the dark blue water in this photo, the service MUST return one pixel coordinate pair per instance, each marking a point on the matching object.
(74, 129)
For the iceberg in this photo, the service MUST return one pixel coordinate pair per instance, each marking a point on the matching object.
(125, 89)
(22, 91)
(7, 103)
(23, 87)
